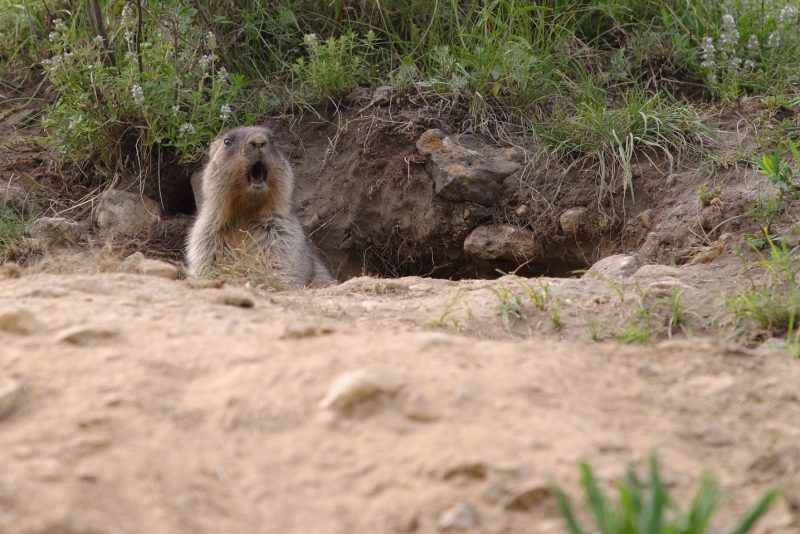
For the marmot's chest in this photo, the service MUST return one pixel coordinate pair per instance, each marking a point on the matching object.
(249, 236)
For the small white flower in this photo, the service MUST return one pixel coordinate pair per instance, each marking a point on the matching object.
(54, 36)
(748, 64)
(98, 41)
(774, 40)
(223, 74)
(127, 14)
(788, 14)
(728, 22)
(752, 43)
(138, 94)
(225, 112)
(206, 60)
(310, 39)
(211, 40)
(176, 110)
(188, 128)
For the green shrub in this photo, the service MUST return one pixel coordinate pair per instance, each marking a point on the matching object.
(168, 92)
(334, 66)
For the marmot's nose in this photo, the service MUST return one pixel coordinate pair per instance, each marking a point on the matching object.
(258, 141)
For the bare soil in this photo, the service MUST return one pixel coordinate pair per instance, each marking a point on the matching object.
(145, 405)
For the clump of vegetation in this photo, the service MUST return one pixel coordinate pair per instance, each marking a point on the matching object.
(773, 302)
(155, 83)
(648, 509)
(13, 229)
(335, 66)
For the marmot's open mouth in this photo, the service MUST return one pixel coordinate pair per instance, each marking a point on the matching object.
(257, 174)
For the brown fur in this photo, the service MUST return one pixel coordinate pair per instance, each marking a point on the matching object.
(246, 216)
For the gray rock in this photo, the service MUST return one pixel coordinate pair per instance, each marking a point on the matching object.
(158, 268)
(124, 213)
(619, 265)
(418, 408)
(54, 232)
(10, 391)
(459, 516)
(571, 221)
(656, 271)
(131, 263)
(18, 321)
(502, 242)
(461, 174)
(357, 386)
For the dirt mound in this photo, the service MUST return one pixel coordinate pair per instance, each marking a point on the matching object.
(145, 405)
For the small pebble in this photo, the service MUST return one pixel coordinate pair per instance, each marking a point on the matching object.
(205, 283)
(418, 408)
(407, 521)
(18, 321)
(236, 299)
(10, 270)
(528, 498)
(10, 391)
(87, 335)
(300, 330)
(459, 516)
(356, 386)
(49, 292)
(158, 268)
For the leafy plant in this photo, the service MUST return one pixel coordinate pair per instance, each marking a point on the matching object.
(774, 302)
(648, 509)
(162, 87)
(706, 195)
(334, 66)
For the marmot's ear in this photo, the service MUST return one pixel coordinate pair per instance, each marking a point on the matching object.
(213, 148)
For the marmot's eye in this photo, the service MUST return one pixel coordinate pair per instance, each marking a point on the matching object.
(227, 141)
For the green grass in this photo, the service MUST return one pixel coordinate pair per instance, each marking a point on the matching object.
(597, 83)
(13, 229)
(648, 508)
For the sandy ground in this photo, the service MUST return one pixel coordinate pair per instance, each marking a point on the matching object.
(146, 405)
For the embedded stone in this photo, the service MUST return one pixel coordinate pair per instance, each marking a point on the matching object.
(54, 232)
(502, 242)
(461, 174)
(121, 212)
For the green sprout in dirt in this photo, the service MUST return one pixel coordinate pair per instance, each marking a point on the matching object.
(509, 308)
(707, 195)
(774, 302)
(539, 296)
(447, 312)
(648, 509)
(781, 176)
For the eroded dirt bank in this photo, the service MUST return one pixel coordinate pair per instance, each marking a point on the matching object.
(145, 405)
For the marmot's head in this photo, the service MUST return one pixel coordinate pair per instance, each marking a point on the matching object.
(246, 169)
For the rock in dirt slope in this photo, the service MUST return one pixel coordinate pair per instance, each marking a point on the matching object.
(136, 404)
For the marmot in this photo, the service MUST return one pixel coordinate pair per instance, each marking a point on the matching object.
(245, 222)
